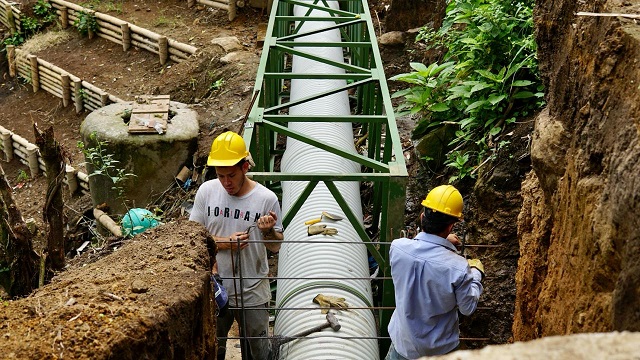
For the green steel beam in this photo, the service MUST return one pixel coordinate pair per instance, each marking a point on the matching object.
(355, 222)
(349, 76)
(320, 44)
(326, 118)
(305, 54)
(277, 176)
(306, 33)
(360, 159)
(299, 202)
(317, 96)
(325, 9)
(313, 18)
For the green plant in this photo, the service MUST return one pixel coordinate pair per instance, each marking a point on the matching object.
(22, 176)
(29, 25)
(193, 83)
(163, 21)
(82, 93)
(86, 23)
(216, 85)
(486, 79)
(43, 10)
(15, 39)
(460, 162)
(104, 164)
(110, 6)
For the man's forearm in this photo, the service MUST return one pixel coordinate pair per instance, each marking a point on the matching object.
(223, 243)
(271, 235)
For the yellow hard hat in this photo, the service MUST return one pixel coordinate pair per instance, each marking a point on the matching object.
(227, 150)
(445, 199)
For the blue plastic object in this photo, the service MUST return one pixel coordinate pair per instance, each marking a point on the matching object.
(222, 299)
(138, 220)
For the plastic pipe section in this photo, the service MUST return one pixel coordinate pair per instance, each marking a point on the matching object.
(318, 260)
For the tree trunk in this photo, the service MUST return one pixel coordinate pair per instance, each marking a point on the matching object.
(409, 14)
(52, 213)
(24, 261)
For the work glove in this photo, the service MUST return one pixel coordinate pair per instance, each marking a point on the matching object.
(331, 216)
(222, 299)
(327, 302)
(476, 263)
(321, 229)
(330, 231)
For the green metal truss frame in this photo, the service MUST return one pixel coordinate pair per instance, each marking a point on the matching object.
(383, 164)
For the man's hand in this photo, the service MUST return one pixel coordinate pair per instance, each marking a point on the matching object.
(231, 242)
(477, 264)
(454, 239)
(267, 222)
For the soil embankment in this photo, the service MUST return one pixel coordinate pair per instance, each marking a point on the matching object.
(149, 299)
(579, 227)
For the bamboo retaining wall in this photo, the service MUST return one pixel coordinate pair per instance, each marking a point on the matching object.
(10, 16)
(229, 5)
(125, 33)
(54, 80)
(14, 145)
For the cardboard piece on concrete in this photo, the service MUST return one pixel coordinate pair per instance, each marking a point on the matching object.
(149, 115)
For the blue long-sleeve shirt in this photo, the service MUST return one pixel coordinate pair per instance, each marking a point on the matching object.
(432, 282)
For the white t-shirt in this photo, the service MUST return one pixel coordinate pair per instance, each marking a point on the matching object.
(223, 214)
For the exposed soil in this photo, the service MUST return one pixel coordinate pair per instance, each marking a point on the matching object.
(148, 305)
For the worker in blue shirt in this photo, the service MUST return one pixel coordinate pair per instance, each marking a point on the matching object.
(432, 282)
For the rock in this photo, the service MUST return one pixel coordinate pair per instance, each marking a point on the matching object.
(549, 149)
(229, 43)
(139, 287)
(234, 57)
(391, 38)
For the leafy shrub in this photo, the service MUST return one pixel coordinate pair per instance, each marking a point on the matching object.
(86, 23)
(15, 39)
(43, 10)
(486, 79)
(104, 164)
(29, 25)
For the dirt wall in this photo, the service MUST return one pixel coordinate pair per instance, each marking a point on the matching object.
(579, 228)
(150, 299)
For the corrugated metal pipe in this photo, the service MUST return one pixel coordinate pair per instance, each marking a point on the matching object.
(318, 260)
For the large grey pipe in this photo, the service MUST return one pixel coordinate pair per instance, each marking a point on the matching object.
(317, 260)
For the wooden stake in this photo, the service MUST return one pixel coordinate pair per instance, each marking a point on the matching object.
(66, 90)
(10, 20)
(7, 143)
(11, 58)
(64, 17)
(72, 179)
(35, 76)
(163, 45)
(77, 92)
(126, 36)
(32, 158)
(232, 9)
(104, 99)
